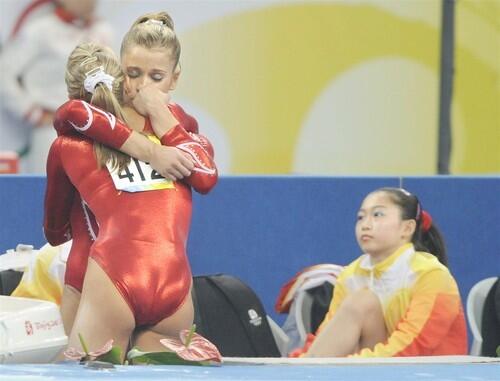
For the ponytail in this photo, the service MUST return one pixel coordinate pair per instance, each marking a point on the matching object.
(427, 236)
(431, 241)
(104, 98)
(106, 93)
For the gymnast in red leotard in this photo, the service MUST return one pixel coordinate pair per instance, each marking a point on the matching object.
(137, 231)
(138, 275)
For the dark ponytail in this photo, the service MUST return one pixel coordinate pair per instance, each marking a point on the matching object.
(427, 236)
(432, 242)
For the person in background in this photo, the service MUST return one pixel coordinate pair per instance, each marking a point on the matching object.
(399, 298)
(137, 274)
(33, 62)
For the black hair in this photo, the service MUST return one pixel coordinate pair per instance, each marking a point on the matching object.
(429, 240)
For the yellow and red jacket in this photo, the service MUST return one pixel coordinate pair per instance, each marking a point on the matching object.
(420, 300)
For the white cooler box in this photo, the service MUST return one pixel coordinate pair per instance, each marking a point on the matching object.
(31, 331)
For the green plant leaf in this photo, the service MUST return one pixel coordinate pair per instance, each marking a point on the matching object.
(192, 330)
(498, 351)
(136, 356)
(113, 356)
(84, 344)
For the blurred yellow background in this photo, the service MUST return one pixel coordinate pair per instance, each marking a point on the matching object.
(346, 87)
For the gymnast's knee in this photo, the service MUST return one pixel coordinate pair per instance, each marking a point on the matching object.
(362, 302)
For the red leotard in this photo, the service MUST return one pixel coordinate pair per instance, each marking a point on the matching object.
(83, 231)
(141, 243)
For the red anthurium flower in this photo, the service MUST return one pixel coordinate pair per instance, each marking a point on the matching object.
(193, 347)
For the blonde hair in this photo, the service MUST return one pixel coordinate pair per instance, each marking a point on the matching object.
(153, 30)
(83, 59)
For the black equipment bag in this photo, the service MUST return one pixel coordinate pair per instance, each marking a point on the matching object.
(9, 279)
(229, 314)
(322, 297)
(490, 324)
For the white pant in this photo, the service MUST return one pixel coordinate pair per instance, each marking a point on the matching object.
(36, 159)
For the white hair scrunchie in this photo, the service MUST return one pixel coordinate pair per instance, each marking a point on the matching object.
(96, 76)
(155, 22)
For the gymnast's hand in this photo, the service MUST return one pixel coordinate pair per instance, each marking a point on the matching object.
(148, 99)
(171, 163)
(151, 102)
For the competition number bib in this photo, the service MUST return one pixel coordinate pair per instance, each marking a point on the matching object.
(138, 176)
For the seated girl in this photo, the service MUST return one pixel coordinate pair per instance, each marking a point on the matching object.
(399, 298)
